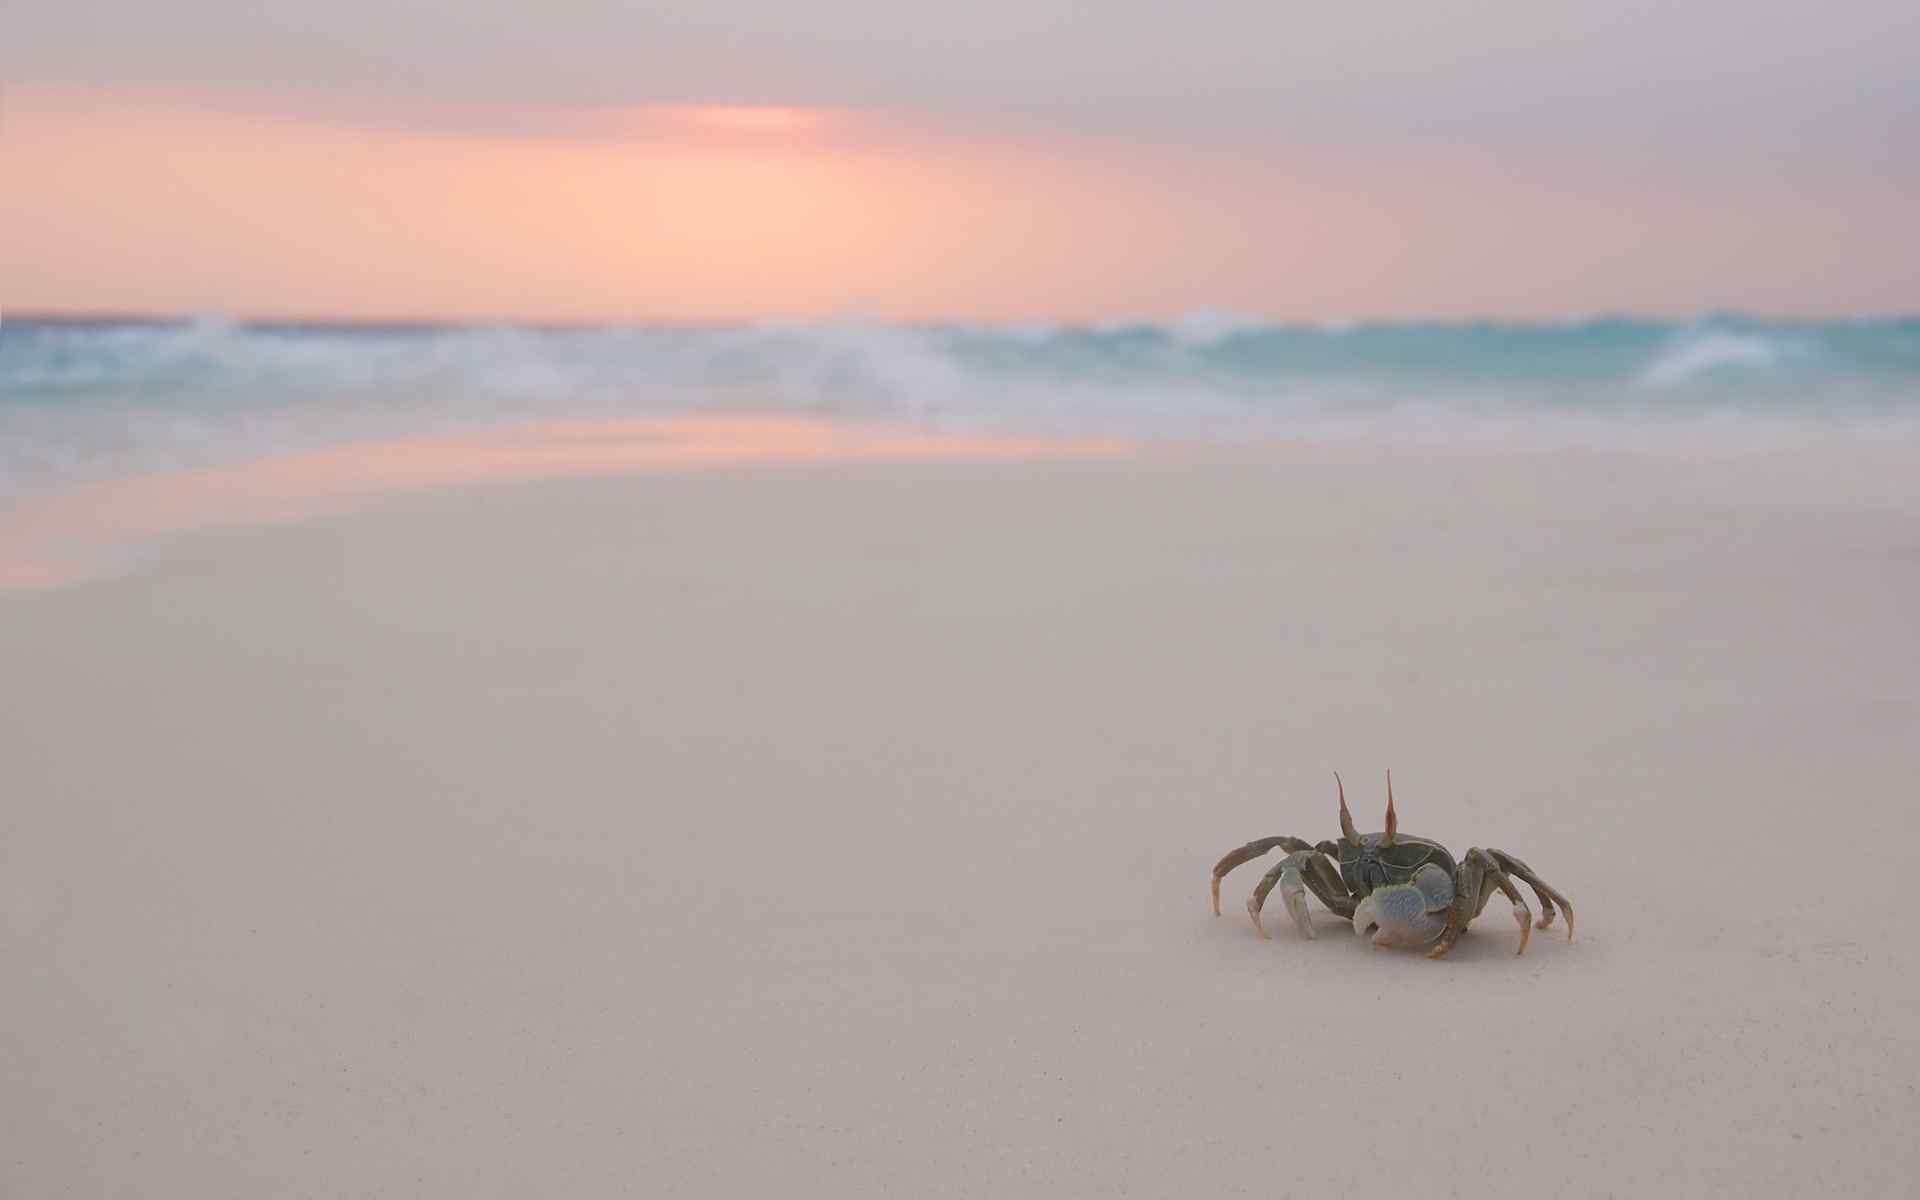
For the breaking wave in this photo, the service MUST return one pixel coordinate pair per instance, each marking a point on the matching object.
(81, 400)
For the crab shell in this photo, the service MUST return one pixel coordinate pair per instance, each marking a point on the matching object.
(1378, 859)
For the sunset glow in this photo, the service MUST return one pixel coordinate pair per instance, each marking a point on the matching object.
(743, 118)
(159, 202)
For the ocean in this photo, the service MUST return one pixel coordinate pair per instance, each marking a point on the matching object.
(84, 400)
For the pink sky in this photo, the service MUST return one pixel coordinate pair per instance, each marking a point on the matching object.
(173, 201)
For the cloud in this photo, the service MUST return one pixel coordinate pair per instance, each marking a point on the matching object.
(1759, 74)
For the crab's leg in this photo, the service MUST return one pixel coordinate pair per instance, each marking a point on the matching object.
(1475, 882)
(1296, 872)
(1323, 879)
(1548, 896)
(1248, 853)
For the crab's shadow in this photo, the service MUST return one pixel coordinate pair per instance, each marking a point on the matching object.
(1474, 946)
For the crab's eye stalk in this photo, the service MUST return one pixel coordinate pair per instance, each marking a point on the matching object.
(1346, 818)
(1393, 822)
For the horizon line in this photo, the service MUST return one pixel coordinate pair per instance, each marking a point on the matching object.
(427, 323)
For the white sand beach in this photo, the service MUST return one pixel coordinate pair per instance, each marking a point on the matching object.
(835, 829)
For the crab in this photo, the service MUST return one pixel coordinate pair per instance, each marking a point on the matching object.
(1398, 890)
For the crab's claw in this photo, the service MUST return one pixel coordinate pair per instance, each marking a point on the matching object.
(1406, 914)
(1366, 918)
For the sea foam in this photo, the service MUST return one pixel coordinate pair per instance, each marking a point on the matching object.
(86, 400)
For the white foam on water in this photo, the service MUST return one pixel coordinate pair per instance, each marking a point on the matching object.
(1694, 354)
(83, 402)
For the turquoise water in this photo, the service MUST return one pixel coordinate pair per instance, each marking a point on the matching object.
(82, 400)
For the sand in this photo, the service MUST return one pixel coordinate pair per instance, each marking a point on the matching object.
(831, 830)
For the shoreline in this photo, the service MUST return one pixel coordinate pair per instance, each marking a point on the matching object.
(65, 536)
(97, 530)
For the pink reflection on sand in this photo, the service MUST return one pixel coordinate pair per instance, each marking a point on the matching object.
(68, 536)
